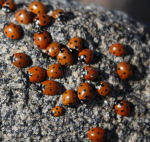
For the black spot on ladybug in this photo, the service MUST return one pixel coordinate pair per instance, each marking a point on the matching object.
(38, 11)
(45, 37)
(45, 22)
(98, 133)
(21, 21)
(37, 76)
(124, 72)
(122, 110)
(106, 90)
(12, 36)
(56, 108)
(43, 16)
(75, 41)
(114, 52)
(64, 57)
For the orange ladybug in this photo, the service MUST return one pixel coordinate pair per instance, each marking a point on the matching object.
(12, 31)
(85, 92)
(20, 60)
(1, 2)
(58, 13)
(57, 111)
(122, 108)
(37, 7)
(103, 88)
(96, 134)
(117, 49)
(64, 57)
(86, 55)
(69, 98)
(9, 5)
(89, 73)
(42, 39)
(53, 49)
(124, 70)
(36, 74)
(23, 16)
(50, 87)
(75, 43)
(41, 20)
(55, 71)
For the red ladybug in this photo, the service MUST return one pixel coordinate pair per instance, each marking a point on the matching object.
(36, 74)
(55, 71)
(37, 7)
(41, 20)
(124, 70)
(20, 60)
(58, 13)
(85, 92)
(122, 108)
(69, 98)
(75, 43)
(23, 16)
(1, 2)
(117, 49)
(42, 39)
(89, 73)
(103, 88)
(50, 87)
(53, 49)
(64, 57)
(96, 134)
(86, 55)
(12, 31)
(9, 5)
(57, 111)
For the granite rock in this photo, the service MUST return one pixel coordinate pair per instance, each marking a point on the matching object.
(25, 111)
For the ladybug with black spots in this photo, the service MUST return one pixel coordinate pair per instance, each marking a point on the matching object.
(85, 92)
(103, 88)
(69, 98)
(57, 111)
(53, 49)
(65, 57)
(9, 6)
(96, 134)
(20, 60)
(37, 7)
(42, 39)
(41, 20)
(86, 55)
(50, 87)
(58, 13)
(12, 31)
(122, 108)
(89, 73)
(55, 71)
(36, 74)
(76, 43)
(1, 3)
(124, 70)
(23, 16)
(117, 49)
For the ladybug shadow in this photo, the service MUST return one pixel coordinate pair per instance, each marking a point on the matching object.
(132, 109)
(48, 8)
(129, 50)
(20, 5)
(69, 16)
(102, 75)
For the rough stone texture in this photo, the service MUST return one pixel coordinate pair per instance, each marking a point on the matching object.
(25, 112)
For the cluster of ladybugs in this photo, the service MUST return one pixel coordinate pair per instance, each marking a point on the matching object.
(37, 14)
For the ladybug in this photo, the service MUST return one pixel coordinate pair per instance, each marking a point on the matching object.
(23, 16)
(55, 71)
(12, 31)
(53, 49)
(9, 5)
(41, 20)
(69, 98)
(20, 60)
(58, 13)
(96, 134)
(64, 57)
(124, 70)
(122, 108)
(42, 39)
(86, 55)
(57, 111)
(50, 87)
(85, 92)
(103, 88)
(75, 43)
(36, 74)
(1, 2)
(37, 7)
(89, 73)
(117, 49)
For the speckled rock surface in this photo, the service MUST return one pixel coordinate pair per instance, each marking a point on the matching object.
(25, 111)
